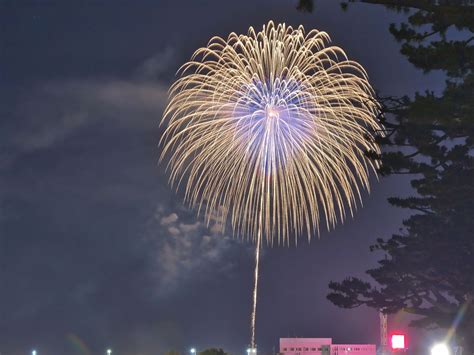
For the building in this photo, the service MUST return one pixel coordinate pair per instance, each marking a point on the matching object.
(322, 346)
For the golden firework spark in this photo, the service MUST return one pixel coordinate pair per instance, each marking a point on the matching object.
(271, 128)
(272, 123)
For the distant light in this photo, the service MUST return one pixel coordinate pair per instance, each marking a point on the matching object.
(398, 341)
(33, 352)
(440, 349)
(248, 351)
(109, 351)
(251, 350)
(193, 350)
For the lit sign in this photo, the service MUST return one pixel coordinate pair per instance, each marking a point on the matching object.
(398, 341)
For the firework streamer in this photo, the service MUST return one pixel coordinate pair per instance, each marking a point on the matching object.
(271, 127)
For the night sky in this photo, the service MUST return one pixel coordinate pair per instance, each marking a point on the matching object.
(96, 249)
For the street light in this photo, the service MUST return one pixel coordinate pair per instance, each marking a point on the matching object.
(109, 351)
(440, 349)
(33, 352)
(192, 351)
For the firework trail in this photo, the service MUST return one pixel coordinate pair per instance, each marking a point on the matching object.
(272, 126)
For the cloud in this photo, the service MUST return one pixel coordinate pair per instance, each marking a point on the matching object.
(185, 250)
(56, 109)
(50, 112)
(173, 217)
(158, 65)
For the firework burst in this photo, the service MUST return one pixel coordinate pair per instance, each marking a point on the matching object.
(272, 128)
(274, 124)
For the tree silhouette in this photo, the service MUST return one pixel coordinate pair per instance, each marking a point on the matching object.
(213, 351)
(428, 267)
